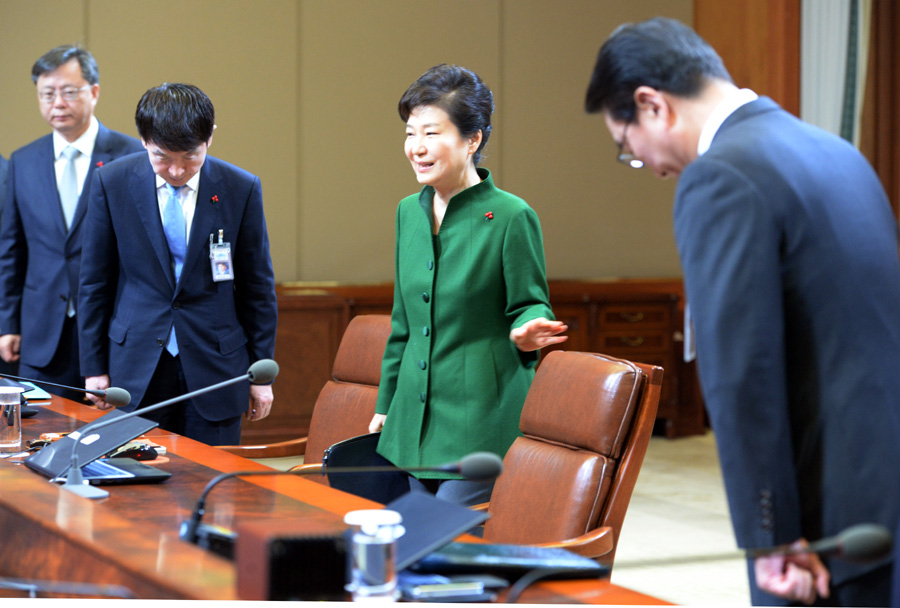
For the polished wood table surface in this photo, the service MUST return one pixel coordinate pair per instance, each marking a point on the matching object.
(131, 539)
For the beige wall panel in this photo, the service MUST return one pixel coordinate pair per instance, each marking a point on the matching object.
(306, 94)
(357, 59)
(599, 218)
(28, 29)
(242, 54)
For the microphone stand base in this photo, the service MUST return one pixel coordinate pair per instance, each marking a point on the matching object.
(86, 490)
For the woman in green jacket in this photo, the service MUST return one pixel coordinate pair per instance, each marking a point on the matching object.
(471, 305)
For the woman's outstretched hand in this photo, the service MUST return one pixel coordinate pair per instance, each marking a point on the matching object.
(538, 333)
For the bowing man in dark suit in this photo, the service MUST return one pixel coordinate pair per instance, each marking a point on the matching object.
(156, 319)
(789, 252)
(43, 219)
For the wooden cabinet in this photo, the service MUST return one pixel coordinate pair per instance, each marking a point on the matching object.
(636, 319)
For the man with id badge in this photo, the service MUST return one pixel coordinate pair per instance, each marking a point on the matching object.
(177, 288)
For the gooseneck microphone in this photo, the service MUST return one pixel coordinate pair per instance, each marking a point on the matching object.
(113, 395)
(861, 543)
(478, 466)
(263, 371)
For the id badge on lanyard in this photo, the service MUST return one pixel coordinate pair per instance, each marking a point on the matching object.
(220, 258)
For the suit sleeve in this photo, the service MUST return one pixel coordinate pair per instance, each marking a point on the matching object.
(255, 301)
(396, 344)
(97, 282)
(729, 240)
(525, 275)
(13, 258)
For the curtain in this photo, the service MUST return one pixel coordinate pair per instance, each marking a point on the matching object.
(834, 43)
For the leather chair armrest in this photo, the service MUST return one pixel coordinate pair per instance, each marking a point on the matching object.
(283, 449)
(595, 543)
(313, 466)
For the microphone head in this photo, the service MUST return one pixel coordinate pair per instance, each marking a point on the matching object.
(117, 396)
(263, 371)
(480, 466)
(865, 543)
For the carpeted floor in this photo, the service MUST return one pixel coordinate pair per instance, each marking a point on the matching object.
(678, 509)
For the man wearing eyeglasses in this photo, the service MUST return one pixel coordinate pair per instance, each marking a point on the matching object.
(789, 250)
(40, 231)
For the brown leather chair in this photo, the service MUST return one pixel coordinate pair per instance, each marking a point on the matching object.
(567, 482)
(346, 403)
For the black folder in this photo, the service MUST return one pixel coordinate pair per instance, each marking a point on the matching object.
(509, 561)
(360, 452)
(430, 523)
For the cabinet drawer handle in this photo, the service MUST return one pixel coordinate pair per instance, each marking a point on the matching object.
(634, 317)
(632, 341)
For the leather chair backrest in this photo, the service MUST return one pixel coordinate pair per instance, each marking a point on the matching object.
(576, 424)
(346, 403)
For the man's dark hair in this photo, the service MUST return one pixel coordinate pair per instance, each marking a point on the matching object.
(660, 53)
(174, 116)
(458, 92)
(61, 55)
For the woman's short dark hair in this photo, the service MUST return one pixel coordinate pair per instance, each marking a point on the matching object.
(177, 117)
(660, 53)
(458, 92)
(62, 55)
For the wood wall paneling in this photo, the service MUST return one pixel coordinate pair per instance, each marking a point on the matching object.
(759, 41)
(880, 136)
(310, 326)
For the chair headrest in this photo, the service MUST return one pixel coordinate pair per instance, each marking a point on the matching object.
(583, 400)
(359, 356)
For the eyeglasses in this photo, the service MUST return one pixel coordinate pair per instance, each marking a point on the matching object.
(627, 158)
(68, 94)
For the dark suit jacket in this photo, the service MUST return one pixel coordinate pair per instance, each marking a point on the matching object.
(39, 258)
(129, 300)
(790, 258)
(895, 595)
(4, 167)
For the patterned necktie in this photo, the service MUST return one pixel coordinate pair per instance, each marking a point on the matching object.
(68, 185)
(173, 225)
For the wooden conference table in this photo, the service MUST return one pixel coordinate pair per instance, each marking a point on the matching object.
(131, 537)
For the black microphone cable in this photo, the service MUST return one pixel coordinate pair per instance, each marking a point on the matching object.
(530, 578)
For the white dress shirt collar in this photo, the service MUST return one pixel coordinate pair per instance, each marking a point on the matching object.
(84, 144)
(187, 196)
(720, 114)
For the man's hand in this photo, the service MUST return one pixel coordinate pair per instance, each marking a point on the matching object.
(98, 383)
(537, 334)
(261, 398)
(9, 347)
(795, 577)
